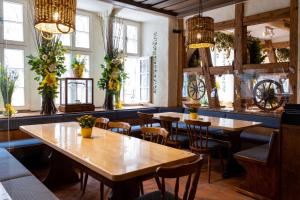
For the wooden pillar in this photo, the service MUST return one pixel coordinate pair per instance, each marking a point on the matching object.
(240, 53)
(210, 80)
(293, 76)
(181, 62)
(270, 51)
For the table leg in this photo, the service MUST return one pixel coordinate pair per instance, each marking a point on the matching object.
(61, 171)
(125, 190)
(232, 167)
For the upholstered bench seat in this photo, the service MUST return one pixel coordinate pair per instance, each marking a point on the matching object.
(257, 135)
(20, 143)
(27, 188)
(11, 168)
(257, 154)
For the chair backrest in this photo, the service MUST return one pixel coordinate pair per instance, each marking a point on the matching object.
(191, 170)
(120, 127)
(102, 122)
(146, 119)
(155, 134)
(198, 135)
(167, 123)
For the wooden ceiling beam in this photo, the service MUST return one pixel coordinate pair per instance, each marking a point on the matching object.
(139, 6)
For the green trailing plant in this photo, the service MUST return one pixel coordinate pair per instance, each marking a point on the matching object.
(255, 50)
(224, 42)
(193, 110)
(283, 54)
(48, 66)
(86, 121)
(8, 81)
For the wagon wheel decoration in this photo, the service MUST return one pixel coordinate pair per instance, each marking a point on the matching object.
(196, 89)
(267, 95)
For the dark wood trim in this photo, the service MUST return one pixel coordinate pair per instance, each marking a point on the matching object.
(181, 60)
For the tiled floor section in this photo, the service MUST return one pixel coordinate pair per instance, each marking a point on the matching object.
(219, 189)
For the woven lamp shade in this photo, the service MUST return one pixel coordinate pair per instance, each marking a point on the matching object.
(55, 16)
(200, 32)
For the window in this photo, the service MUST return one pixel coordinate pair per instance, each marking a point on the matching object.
(126, 37)
(82, 35)
(14, 61)
(13, 21)
(136, 88)
(68, 62)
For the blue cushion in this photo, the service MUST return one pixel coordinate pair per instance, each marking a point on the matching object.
(212, 113)
(258, 135)
(127, 114)
(211, 130)
(270, 122)
(259, 153)
(183, 139)
(170, 109)
(20, 143)
(149, 110)
(28, 188)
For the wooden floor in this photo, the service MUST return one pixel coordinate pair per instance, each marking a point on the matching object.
(219, 189)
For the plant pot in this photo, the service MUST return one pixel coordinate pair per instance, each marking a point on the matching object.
(193, 115)
(86, 132)
(78, 72)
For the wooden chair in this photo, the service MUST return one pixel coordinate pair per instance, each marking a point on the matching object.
(120, 127)
(146, 119)
(175, 139)
(191, 170)
(157, 135)
(200, 143)
(102, 122)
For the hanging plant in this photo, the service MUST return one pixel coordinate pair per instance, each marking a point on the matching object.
(48, 66)
(224, 42)
(283, 54)
(255, 49)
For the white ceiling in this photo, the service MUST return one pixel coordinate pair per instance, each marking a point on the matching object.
(126, 13)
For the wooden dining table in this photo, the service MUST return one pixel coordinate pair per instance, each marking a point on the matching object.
(232, 129)
(118, 160)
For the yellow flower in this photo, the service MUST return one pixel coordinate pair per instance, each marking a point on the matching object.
(50, 80)
(10, 110)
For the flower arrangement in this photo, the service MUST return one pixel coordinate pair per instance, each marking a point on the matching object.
(48, 66)
(193, 110)
(7, 85)
(78, 66)
(86, 121)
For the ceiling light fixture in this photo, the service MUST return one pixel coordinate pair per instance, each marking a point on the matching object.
(200, 31)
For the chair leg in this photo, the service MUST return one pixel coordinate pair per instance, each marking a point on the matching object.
(221, 159)
(81, 179)
(85, 182)
(142, 188)
(101, 190)
(209, 166)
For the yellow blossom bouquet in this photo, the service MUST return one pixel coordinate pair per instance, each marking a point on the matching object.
(78, 66)
(48, 66)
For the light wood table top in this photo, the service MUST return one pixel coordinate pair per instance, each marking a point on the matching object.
(112, 155)
(216, 122)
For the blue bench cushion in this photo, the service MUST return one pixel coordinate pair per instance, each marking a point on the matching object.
(28, 188)
(258, 154)
(212, 113)
(258, 135)
(11, 168)
(20, 143)
(170, 109)
(270, 122)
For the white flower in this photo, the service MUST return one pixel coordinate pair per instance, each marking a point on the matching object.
(44, 57)
(52, 68)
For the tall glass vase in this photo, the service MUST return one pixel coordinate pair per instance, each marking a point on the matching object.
(108, 103)
(118, 103)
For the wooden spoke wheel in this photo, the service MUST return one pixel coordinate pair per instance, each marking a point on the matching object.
(268, 95)
(196, 89)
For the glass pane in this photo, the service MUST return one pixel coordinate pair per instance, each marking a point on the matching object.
(131, 89)
(82, 40)
(20, 72)
(14, 58)
(132, 32)
(65, 39)
(18, 98)
(67, 63)
(145, 81)
(13, 31)
(90, 92)
(76, 92)
(132, 46)
(145, 95)
(12, 11)
(82, 23)
(118, 34)
(225, 87)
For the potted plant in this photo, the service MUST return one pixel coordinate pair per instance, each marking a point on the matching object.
(7, 85)
(86, 122)
(78, 66)
(193, 113)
